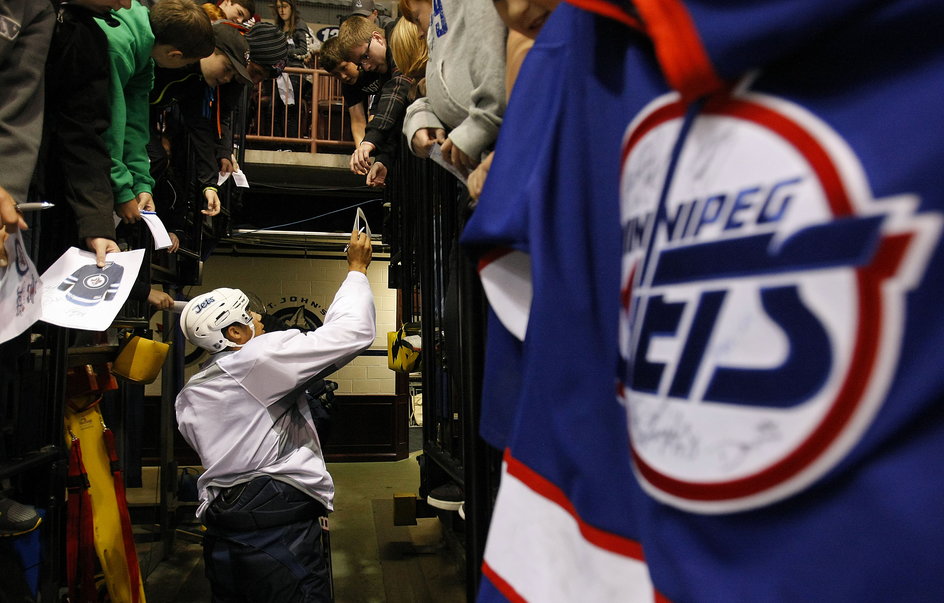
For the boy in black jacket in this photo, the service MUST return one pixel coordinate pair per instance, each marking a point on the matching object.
(73, 170)
(195, 105)
(74, 163)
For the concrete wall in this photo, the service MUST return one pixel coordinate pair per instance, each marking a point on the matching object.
(301, 287)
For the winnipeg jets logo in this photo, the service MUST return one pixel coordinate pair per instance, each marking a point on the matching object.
(95, 281)
(762, 303)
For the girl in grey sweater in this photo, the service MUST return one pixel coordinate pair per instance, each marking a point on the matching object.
(465, 80)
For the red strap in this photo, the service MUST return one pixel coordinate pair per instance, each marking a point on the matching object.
(80, 533)
(679, 48)
(131, 555)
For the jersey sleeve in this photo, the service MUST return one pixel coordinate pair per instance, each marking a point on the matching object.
(523, 156)
(273, 365)
(517, 180)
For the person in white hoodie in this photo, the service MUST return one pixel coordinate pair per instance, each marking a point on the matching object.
(246, 414)
(465, 89)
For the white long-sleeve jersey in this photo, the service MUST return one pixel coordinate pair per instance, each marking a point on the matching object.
(244, 413)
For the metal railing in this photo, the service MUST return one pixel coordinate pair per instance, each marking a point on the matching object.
(318, 117)
(442, 292)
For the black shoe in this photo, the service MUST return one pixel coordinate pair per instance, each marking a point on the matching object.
(16, 519)
(448, 497)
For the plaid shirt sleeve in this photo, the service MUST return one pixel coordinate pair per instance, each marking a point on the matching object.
(391, 107)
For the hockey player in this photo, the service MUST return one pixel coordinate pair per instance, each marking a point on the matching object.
(246, 415)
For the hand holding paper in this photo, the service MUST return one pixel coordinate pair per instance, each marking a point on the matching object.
(238, 177)
(436, 155)
(359, 249)
(77, 294)
(158, 232)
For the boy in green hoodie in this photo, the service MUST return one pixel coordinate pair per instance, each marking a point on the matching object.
(174, 33)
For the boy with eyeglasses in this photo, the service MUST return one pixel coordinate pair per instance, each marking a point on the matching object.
(382, 138)
(349, 74)
(364, 44)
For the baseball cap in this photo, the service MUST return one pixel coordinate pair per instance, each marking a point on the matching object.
(362, 7)
(234, 45)
(267, 46)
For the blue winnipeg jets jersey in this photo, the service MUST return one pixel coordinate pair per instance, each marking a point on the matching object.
(779, 206)
(779, 326)
(564, 526)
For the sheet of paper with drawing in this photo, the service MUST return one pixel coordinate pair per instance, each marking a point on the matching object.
(436, 155)
(80, 295)
(20, 290)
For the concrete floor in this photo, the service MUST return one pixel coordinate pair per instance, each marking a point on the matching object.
(374, 561)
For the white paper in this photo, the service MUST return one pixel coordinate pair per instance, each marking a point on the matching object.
(436, 155)
(158, 232)
(80, 295)
(238, 177)
(21, 290)
(360, 222)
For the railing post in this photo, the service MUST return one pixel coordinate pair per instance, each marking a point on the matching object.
(315, 109)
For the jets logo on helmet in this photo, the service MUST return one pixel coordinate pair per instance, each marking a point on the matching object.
(762, 299)
(203, 304)
(206, 316)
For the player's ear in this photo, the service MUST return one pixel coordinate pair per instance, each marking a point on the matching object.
(234, 334)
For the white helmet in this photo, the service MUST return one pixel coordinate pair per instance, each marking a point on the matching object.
(205, 316)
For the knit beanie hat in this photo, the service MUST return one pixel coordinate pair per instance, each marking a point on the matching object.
(267, 45)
